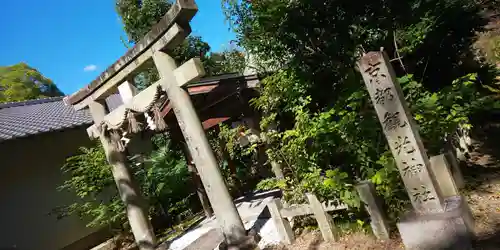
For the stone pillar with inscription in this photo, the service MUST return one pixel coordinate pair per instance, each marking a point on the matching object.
(435, 220)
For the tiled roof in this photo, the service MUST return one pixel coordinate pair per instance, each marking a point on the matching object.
(21, 119)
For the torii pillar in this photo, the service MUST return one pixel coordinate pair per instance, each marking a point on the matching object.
(128, 189)
(225, 211)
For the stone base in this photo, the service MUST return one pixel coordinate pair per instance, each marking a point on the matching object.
(451, 229)
(248, 243)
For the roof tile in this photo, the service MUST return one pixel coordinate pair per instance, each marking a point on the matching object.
(21, 119)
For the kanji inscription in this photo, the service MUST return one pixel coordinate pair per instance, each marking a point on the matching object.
(392, 121)
(374, 72)
(383, 95)
(402, 136)
(422, 194)
(411, 167)
(404, 145)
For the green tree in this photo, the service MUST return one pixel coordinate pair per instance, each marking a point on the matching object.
(21, 82)
(163, 179)
(139, 16)
(228, 61)
(322, 39)
(328, 134)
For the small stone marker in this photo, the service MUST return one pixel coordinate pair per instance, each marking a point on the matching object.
(317, 209)
(282, 225)
(325, 221)
(441, 172)
(456, 172)
(400, 131)
(380, 227)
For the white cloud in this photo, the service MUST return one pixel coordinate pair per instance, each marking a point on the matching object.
(89, 68)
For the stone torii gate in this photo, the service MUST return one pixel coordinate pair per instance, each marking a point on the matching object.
(130, 118)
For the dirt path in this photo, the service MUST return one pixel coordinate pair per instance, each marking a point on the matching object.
(482, 176)
(357, 241)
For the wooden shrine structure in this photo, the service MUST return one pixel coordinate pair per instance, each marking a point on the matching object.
(178, 97)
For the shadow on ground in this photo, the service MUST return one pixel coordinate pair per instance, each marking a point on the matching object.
(482, 176)
(488, 242)
(315, 243)
(483, 164)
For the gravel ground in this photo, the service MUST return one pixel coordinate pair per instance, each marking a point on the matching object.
(358, 241)
(482, 175)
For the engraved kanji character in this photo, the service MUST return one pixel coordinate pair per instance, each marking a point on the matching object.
(373, 71)
(392, 121)
(373, 68)
(383, 95)
(411, 168)
(377, 78)
(422, 194)
(404, 144)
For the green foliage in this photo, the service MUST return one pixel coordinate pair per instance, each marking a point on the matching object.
(139, 16)
(320, 40)
(228, 61)
(21, 82)
(327, 152)
(91, 180)
(492, 47)
(194, 46)
(414, 35)
(237, 164)
(163, 179)
(496, 48)
(495, 88)
(440, 113)
(230, 138)
(328, 135)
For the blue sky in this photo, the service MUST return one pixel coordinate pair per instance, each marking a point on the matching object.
(72, 42)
